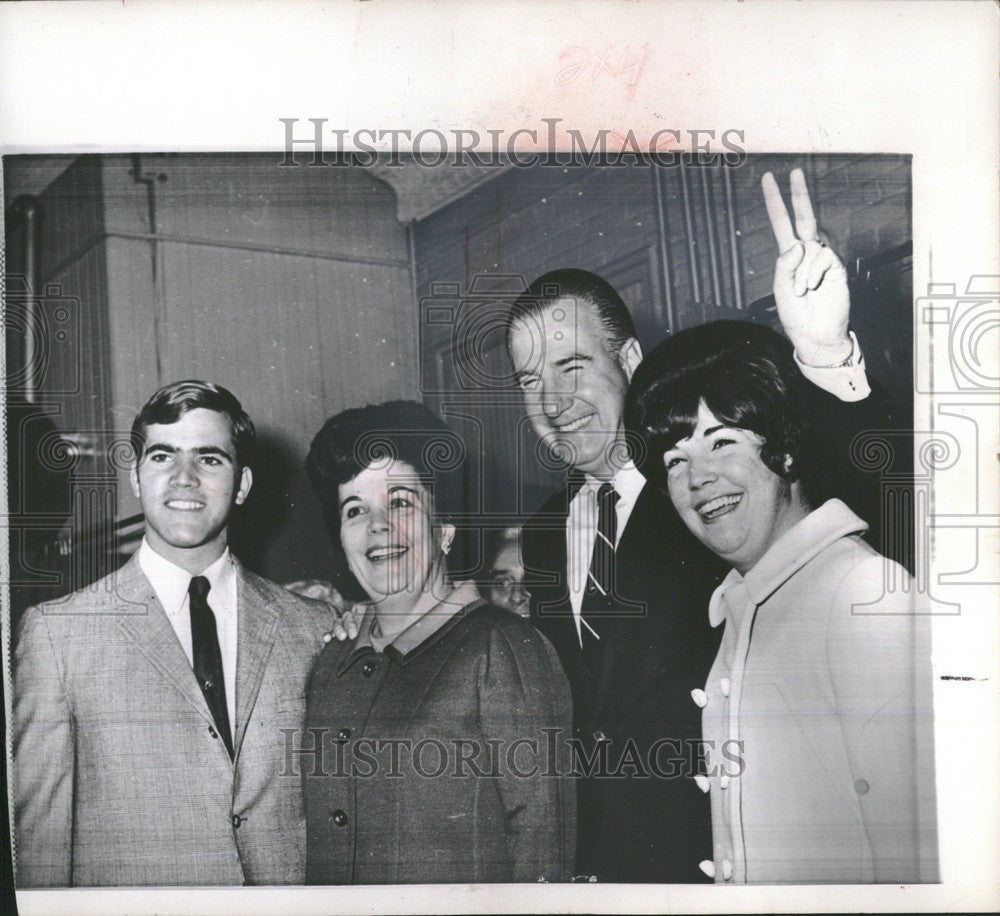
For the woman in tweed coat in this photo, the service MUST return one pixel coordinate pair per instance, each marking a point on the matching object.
(438, 733)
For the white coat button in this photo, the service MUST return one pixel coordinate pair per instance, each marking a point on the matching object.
(708, 867)
(724, 685)
(700, 697)
(723, 781)
(702, 782)
(727, 869)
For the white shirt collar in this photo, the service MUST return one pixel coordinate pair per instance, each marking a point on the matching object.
(171, 583)
(628, 483)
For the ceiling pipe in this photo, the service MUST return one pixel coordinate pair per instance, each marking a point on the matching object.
(28, 208)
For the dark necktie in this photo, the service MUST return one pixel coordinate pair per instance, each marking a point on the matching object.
(208, 657)
(598, 596)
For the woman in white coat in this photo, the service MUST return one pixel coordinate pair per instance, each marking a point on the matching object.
(819, 695)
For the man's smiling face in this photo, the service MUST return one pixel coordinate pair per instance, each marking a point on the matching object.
(574, 387)
(188, 480)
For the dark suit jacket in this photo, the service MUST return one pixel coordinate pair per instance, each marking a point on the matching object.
(636, 824)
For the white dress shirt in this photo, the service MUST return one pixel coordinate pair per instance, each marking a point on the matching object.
(581, 529)
(171, 584)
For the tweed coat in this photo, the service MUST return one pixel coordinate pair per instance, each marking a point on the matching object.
(120, 777)
(439, 759)
(822, 689)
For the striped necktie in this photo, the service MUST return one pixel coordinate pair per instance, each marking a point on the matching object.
(598, 598)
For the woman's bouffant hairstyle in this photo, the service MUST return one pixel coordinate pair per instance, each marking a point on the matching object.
(404, 431)
(746, 375)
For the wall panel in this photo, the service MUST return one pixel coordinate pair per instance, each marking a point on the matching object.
(683, 245)
(291, 286)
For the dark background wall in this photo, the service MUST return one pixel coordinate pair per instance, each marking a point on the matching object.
(302, 291)
(682, 245)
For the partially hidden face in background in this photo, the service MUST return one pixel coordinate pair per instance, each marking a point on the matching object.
(507, 580)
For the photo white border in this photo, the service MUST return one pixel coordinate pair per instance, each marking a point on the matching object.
(844, 77)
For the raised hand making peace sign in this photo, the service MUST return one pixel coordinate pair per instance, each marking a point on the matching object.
(810, 282)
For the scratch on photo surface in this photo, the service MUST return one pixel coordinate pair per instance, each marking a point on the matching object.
(874, 715)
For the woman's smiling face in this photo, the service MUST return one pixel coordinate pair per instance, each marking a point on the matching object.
(387, 530)
(732, 502)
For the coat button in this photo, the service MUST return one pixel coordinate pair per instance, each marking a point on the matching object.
(600, 736)
(708, 867)
(727, 870)
(237, 820)
(861, 786)
(339, 817)
(724, 686)
(213, 732)
(723, 781)
(343, 735)
(369, 669)
(700, 697)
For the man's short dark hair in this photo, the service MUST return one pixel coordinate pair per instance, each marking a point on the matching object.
(172, 401)
(747, 377)
(581, 285)
(404, 431)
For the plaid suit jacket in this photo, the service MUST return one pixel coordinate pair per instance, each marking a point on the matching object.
(119, 776)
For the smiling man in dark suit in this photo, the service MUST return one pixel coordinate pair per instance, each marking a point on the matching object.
(150, 709)
(618, 584)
